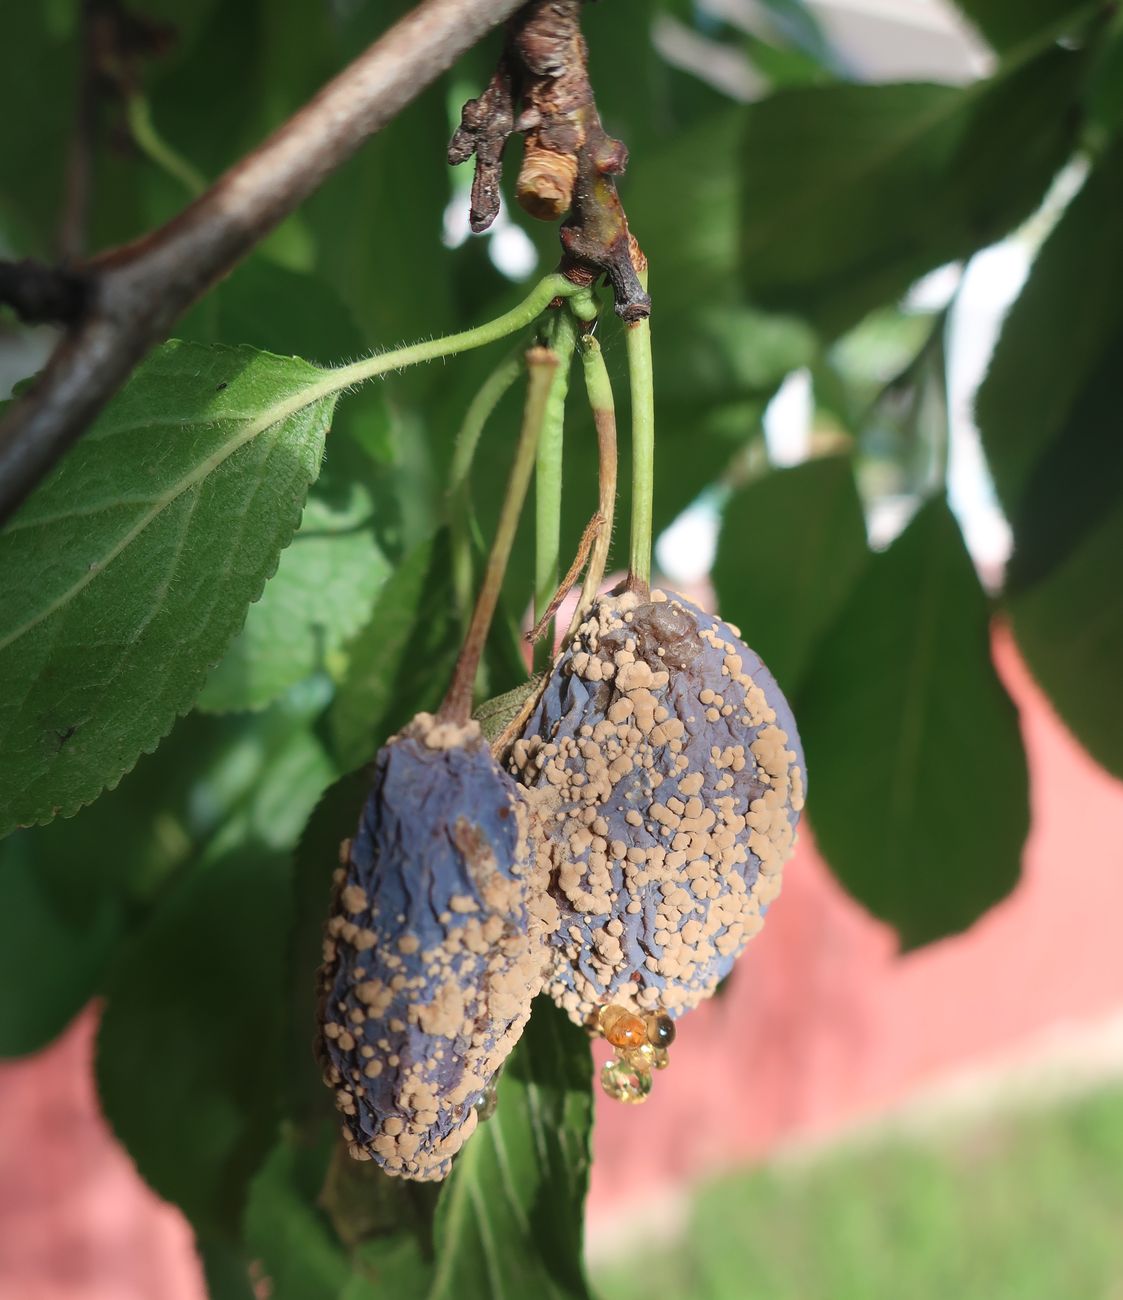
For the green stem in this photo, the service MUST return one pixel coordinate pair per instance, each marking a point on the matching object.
(599, 388)
(153, 145)
(459, 494)
(641, 381)
(531, 307)
(548, 479)
(542, 366)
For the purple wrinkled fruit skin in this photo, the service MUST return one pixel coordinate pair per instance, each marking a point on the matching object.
(433, 951)
(665, 773)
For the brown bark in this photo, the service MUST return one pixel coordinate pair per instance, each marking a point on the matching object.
(541, 89)
(130, 298)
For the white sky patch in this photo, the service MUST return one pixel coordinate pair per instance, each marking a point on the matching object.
(933, 291)
(685, 551)
(512, 251)
(992, 282)
(788, 418)
(510, 248)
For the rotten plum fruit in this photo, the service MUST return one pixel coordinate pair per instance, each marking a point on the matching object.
(666, 779)
(433, 951)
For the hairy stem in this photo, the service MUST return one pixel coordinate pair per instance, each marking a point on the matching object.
(548, 479)
(543, 365)
(459, 488)
(531, 307)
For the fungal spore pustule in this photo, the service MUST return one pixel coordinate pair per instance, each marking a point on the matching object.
(434, 948)
(666, 776)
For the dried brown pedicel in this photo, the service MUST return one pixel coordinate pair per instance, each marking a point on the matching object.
(666, 777)
(434, 949)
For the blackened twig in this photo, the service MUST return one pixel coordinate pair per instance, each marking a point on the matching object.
(485, 126)
(41, 294)
(542, 89)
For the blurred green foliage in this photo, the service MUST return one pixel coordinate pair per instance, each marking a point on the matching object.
(1022, 1208)
(782, 234)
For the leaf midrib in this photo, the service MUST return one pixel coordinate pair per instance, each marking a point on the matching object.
(270, 417)
(915, 712)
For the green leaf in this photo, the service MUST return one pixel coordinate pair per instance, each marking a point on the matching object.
(690, 235)
(1069, 627)
(401, 661)
(189, 1046)
(189, 1062)
(276, 309)
(226, 1268)
(717, 361)
(57, 931)
(285, 1229)
(1005, 23)
(377, 223)
(1049, 416)
(1104, 96)
(855, 191)
(38, 65)
(792, 545)
(509, 1221)
(125, 577)
(389, 1224)
(322, 594)
(1048, 409)
(74, 888)
(79, 886)
(799, 25)
(918, 777)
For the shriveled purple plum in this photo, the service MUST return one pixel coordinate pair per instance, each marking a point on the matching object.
(434, 949)
(665, 775)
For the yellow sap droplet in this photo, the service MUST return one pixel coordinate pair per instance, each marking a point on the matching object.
(624, 1082)
(607, 1016)
(647, 1057)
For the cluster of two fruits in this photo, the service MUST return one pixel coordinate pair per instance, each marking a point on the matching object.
(620, 867)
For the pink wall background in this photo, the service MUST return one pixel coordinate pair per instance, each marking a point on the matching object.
(823, 1025)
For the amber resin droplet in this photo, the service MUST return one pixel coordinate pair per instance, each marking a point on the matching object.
(660, 1029)
(624, 1082)
(607, 1016)
(627, 1031)
(647, 1057)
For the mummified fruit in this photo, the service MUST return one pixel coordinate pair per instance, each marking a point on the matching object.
(434, 949)
(666, 779)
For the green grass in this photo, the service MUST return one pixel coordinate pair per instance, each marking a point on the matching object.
(1025, 1208)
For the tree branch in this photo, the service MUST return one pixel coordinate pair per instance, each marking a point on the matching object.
(133, 295)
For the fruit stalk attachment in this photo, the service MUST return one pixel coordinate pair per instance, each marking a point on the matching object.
(479, 411)
(562, 339)
(641, 381)
(542, 367)
(598, 386)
